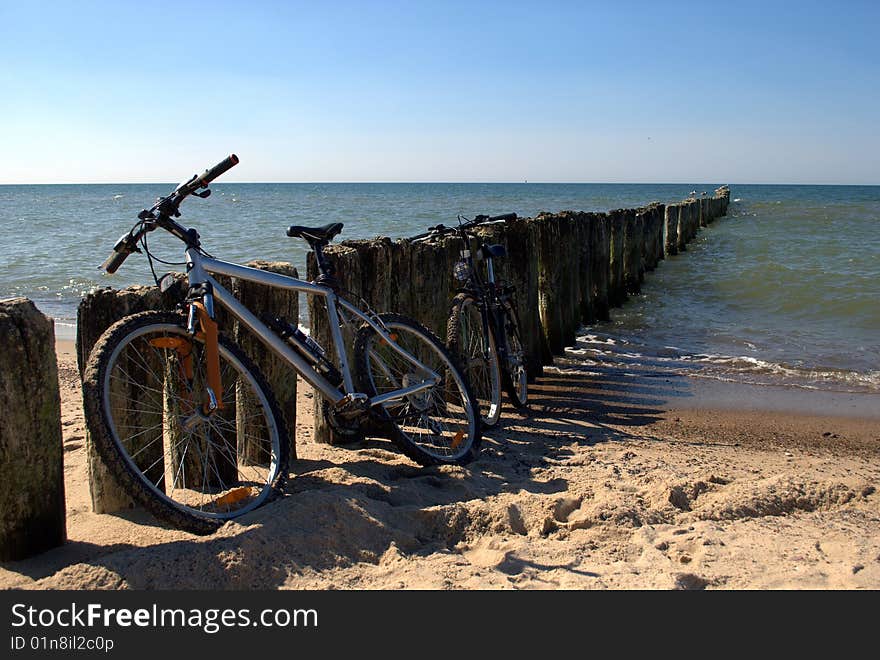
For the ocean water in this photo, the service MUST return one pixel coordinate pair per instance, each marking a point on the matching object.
(784, 290)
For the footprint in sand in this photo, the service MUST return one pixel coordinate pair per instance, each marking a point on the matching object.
(489, 553)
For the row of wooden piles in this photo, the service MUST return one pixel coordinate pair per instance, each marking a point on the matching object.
(569, 269)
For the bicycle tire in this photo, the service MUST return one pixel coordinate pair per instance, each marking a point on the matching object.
(465, 442)
(483, 375)
(513, 373)
(132, 479)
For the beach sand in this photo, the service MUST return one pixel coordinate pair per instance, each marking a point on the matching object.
(612, 481)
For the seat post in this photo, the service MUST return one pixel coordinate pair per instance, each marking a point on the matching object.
(326, 268)
(324, 265)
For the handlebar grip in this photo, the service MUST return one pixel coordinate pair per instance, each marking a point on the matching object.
(223, 166)
(433, 232)
(503, 216)
(114, 261)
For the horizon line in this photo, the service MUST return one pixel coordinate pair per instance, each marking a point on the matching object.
(524, 182)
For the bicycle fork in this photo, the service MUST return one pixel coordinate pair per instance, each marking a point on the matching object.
(202, 326)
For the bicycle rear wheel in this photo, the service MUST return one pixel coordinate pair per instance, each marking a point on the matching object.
(147, 407)
(440, 424)
(474, 348)
(514, 376)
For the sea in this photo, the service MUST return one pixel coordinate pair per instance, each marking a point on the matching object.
(784, 290)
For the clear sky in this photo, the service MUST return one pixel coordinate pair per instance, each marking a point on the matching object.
(743, 92)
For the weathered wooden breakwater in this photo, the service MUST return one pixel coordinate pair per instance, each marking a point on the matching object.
(569, 269)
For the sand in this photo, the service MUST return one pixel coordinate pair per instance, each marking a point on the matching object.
(612, 481)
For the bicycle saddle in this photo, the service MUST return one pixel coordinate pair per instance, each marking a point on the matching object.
(323, 234)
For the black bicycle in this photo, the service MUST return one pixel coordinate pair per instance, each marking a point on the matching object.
(483, 329)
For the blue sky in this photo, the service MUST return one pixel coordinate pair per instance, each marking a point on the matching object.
(441, 91)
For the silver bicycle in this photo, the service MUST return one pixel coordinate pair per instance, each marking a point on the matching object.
(187, 423)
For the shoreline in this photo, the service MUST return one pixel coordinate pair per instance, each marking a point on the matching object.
(708, 393)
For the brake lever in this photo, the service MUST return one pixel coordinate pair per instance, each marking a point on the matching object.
(126, 243)
(205, 193)
(186, 183)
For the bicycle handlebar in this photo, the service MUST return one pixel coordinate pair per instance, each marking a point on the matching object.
(166, 206)
(223, 166)
(126, 244)
(113, 262)
(442, 230)
(202, 180)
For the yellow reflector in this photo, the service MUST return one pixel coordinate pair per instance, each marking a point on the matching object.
(385, 341)
(235, 496)
(456, 441)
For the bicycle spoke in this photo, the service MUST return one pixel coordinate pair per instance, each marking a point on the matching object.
(425, 417)
(158, 422)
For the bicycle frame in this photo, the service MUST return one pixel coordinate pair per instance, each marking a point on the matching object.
(486, 294)
(200, 268)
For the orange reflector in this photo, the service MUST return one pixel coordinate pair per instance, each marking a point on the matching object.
(385, 341)
(456, 441)
(235, 496)
(178, 343)
(184, 352)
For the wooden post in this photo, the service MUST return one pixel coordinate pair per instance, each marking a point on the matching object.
(584, 252)
(520, 268)
(432, 284)
(548, 286)
(97, 311)
(348, 266)
(655, 234)
(617, 256)
(634, 242)
(600, 264)
(569, 292)
(32, 509)
(281, 378)
(670, 228)
(692, 218)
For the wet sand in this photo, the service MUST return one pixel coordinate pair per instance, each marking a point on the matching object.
(614, 480)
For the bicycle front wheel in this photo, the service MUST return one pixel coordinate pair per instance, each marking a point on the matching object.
(149, 411)
(469, 341)
(438, 424)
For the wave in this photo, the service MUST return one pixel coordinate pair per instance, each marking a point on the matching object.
(597, 350)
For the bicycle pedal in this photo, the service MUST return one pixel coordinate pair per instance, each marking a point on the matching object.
(351, 404)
